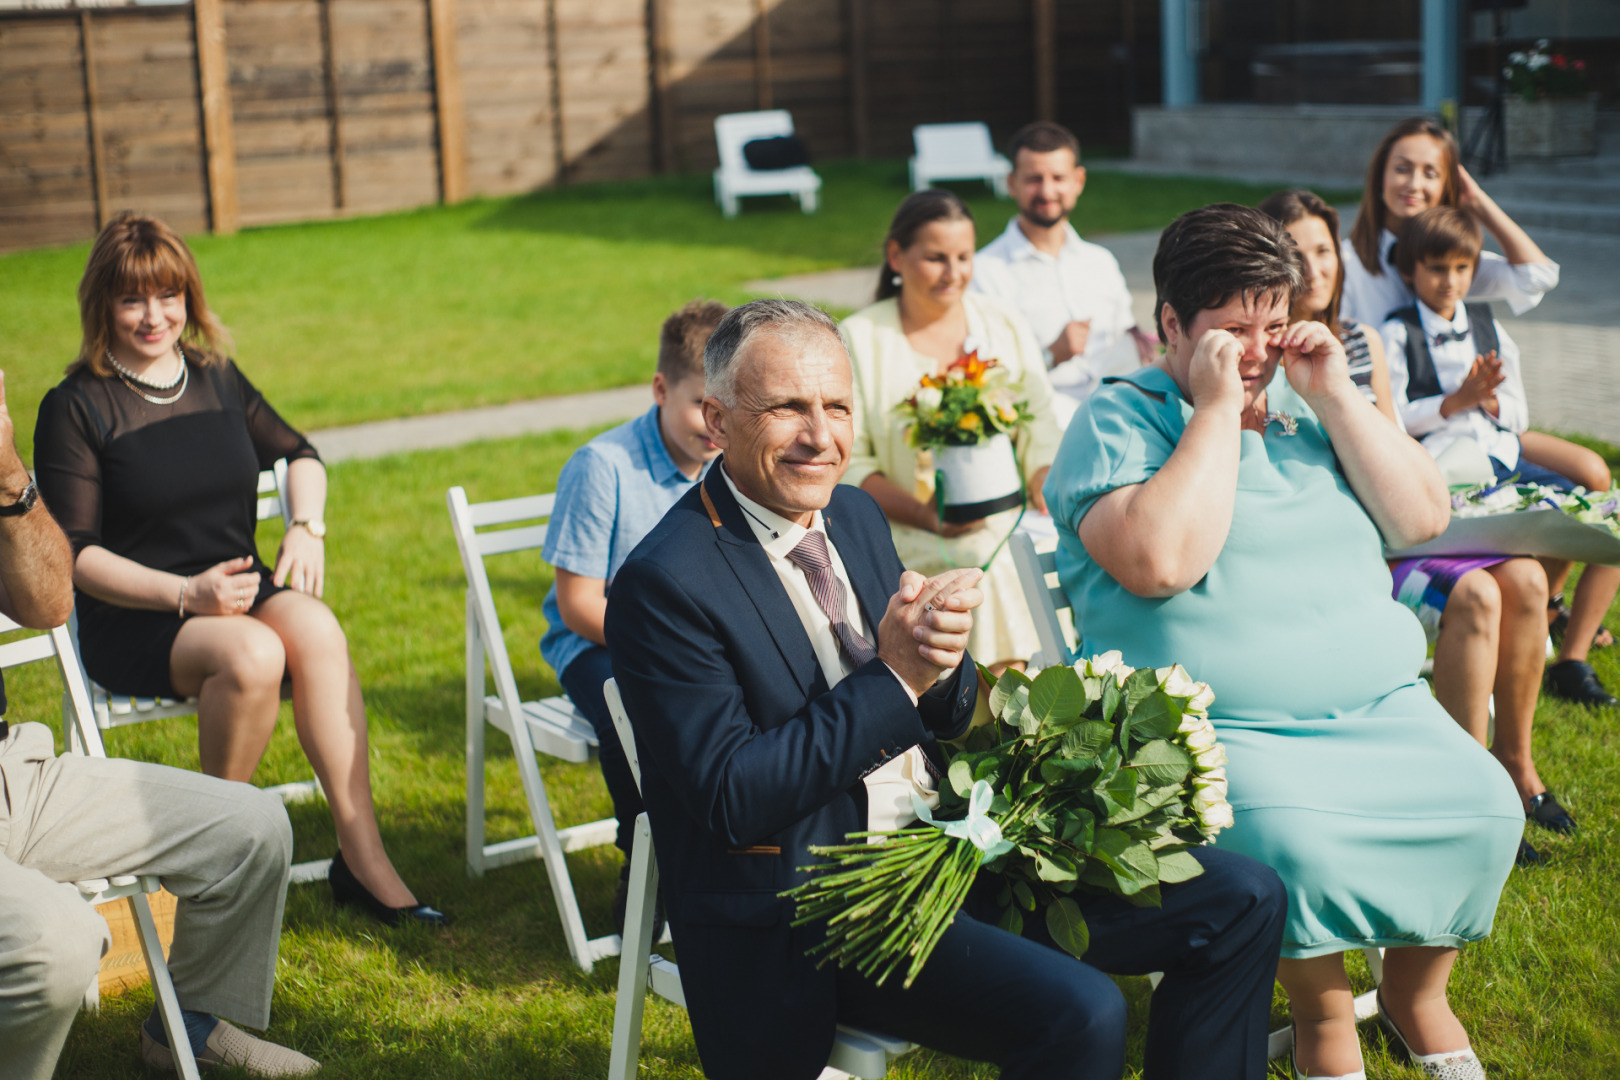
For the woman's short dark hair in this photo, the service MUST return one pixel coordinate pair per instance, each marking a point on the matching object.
(1208, 256)
(919, 209)
(1294, 205)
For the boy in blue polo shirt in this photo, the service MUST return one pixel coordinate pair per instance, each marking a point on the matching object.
(610, 494)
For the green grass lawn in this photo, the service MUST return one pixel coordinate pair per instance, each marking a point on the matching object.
(508, 299)
(497, 997)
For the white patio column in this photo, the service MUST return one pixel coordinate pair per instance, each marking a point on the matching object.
(1179, 33)
(1442, 67)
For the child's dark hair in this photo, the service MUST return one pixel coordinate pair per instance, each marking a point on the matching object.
(681, 341)
(1437, 233)
(1208, 256)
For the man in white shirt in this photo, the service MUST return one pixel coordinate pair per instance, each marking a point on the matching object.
(1071, 292)
(789, 683)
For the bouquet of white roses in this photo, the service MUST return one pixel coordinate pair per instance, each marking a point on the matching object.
(1098, 777)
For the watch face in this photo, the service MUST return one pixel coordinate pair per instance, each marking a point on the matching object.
(317, 528)
(25, 502)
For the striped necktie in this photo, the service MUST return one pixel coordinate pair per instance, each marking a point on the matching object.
(812, 557)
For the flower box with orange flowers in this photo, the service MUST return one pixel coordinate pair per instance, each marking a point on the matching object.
(969, 417)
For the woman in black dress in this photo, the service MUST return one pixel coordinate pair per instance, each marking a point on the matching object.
(148, 454)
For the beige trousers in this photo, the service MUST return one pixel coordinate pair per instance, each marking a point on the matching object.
(223, 848)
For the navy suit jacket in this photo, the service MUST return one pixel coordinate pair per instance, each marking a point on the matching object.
(748, 758)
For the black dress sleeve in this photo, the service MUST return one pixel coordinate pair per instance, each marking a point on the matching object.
(67, 463)
(272, 436)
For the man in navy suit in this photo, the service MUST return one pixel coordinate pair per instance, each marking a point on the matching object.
(788, 682)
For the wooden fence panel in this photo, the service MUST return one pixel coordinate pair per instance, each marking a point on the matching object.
(504, 48)
(385, 90)
(280, 110)
(604, 84)
(47, 192)
(146, 78)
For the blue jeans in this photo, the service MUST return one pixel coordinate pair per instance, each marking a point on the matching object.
(582, 680)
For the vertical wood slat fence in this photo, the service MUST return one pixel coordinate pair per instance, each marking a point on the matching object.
(223, 113)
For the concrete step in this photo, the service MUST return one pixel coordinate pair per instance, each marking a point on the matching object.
(1551, 185)
(1596, 167)
(1548, 214)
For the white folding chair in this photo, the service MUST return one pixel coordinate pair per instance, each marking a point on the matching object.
(957, 152)
(548, 726)
(734, 179)
(1046, 599)
(120, 710)
(856, 1052)
(79, 729)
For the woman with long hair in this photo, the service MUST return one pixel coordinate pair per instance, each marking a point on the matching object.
(924, 320)
(148, 454)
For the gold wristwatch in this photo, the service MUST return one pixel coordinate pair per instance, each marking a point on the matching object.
(314, 526)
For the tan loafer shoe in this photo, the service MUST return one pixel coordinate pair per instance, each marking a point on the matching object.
(229, 1045)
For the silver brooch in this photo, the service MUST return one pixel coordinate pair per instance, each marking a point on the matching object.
(1289, 425)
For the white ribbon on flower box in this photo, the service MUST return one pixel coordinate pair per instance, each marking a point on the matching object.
(976, 481)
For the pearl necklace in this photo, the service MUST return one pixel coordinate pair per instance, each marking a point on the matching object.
(135, 382)
(150, 384)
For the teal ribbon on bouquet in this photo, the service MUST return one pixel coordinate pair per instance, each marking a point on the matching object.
(978, 828)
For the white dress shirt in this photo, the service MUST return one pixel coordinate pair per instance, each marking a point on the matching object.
(1371, 300)
(1082, 282)
(889, 787)
(1497, 435)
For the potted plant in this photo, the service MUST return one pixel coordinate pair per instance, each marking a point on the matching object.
(968, 417)
(1548, 111)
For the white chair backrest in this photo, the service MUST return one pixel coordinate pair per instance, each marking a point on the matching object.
(621, 727)
(1044, 600)
(732, 130)
(953, 144)
(57, 643)
(273, 493)
(467, 518)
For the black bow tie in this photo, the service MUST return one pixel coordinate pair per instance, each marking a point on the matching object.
(1450, 335)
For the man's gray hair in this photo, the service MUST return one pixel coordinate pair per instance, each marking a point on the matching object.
(784, 318)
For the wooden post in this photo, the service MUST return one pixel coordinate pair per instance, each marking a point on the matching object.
(663, 103)
(762, 55)
(335, 135)
(859, 121)
(219, 132)
(98, 153)
(558, 146)
(1044, 26)
(447, 99)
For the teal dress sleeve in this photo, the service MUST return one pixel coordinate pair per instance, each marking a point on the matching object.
(1122, 435)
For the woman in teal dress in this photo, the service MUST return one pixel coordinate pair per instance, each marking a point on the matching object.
(1226, 511)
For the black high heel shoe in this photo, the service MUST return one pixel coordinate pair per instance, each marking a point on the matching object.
(348, 892)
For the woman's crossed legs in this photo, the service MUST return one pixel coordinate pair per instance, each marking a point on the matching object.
(234, 664)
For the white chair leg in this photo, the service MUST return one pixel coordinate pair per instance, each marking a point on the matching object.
(808, 201)
(634, 957)
(475, 743)
(168, 1002)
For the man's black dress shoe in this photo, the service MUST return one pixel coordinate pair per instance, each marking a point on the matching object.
(1545, 811)
(621, 904)
(348, 892)
(1574, 680)
(1528, 856)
